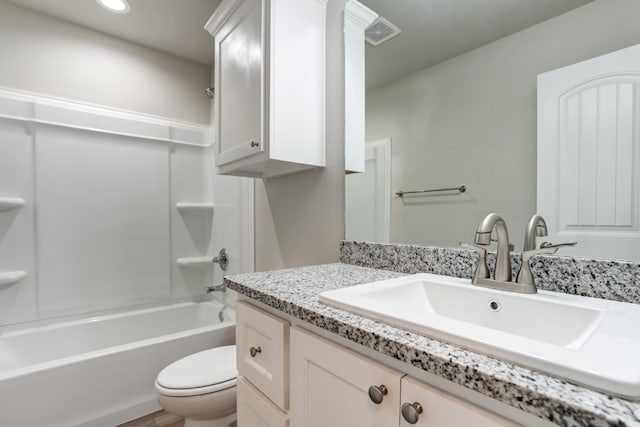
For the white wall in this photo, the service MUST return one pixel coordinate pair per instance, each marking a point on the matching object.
(472, 120)
(46, 55)
(300, 217)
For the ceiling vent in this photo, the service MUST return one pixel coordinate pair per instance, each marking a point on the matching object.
(380, 31)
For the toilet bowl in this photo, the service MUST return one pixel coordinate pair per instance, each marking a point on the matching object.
(201, 388)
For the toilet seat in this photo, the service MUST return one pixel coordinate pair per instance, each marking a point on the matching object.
(204, 372)
(187, 392)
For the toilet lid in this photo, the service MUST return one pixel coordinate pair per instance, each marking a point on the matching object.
(209, 367)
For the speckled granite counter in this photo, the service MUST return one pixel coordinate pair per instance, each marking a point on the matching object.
(295, 292)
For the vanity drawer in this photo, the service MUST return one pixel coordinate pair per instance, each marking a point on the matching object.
(442, 409)
(262, 342)
(255, 410)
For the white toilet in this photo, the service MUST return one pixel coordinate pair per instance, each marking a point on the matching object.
(201, 388)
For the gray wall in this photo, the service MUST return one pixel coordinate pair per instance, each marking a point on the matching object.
(45, 55)
(472, 120)
(300, 217)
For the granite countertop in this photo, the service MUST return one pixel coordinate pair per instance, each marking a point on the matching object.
(295, 292)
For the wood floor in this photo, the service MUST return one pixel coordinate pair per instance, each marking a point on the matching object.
(157, 419)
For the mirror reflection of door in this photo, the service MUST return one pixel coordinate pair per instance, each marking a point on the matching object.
(588, 154)
(368, 201)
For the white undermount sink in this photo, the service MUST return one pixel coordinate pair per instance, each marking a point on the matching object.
(590, 341)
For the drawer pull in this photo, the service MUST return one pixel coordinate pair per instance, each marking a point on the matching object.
(253, 351)
(254, 144)
(411, 412)
(377, 393)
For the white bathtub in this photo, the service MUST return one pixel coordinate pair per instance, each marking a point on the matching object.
(100, 371)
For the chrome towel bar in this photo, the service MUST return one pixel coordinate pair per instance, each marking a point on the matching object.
(460, 189)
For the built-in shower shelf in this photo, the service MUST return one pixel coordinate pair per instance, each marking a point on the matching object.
(195, 262)
(201, 208)
(10, 203)
(11, 277)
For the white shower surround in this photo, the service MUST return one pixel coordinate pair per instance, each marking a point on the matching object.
(100, 227)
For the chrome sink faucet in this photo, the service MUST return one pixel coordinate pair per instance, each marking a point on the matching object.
(502, 271)
(502, 279)
(537, 227)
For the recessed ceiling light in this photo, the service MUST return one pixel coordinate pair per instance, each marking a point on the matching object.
(117, 6)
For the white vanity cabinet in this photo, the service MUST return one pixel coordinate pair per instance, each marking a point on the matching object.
(330, 386)
(269, 86)
(291, 377)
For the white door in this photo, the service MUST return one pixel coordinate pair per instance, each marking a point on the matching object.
(329, 386)
(588, 154)
(368, 196)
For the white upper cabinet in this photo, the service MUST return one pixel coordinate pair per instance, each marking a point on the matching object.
(270, 86)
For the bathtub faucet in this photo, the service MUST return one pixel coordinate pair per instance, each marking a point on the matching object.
(215, 288)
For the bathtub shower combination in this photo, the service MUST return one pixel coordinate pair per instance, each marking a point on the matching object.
(102, 368)
(106, 235)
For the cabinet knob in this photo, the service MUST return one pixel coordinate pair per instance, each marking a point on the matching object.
(411, 412)
(377, 393)
(255, 350)
(254, 144)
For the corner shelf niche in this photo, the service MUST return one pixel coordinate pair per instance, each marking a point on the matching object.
(11, 277)
(196, 208)
(195, 262)
(10, 203)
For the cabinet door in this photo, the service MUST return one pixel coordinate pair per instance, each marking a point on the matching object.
(262, 342)
(329, 386)
(239, 62)
(255, 410)
(440, 409)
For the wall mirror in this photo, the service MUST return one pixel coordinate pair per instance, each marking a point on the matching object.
(452, 100)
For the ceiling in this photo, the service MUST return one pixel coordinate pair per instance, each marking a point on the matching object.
(436, 30)
(172, 26)
(432, 30)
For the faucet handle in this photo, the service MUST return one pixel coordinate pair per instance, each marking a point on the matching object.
(547, 245)
(482, 271)
(547, 250)
(525, 276)
(222, 259)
